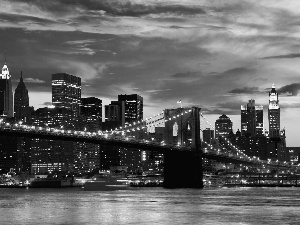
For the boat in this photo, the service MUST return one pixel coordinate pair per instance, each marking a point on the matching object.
(50, 183)
(105, 181)
(213, 180)
(148, 180)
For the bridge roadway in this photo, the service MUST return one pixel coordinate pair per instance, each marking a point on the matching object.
(132, 144)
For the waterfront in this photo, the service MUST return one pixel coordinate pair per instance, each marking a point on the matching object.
(150, 206)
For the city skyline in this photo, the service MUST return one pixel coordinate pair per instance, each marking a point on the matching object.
(216, 56)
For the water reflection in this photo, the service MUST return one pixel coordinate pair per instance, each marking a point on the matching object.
(150, 206)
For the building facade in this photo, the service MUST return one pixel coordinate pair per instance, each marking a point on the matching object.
(114, 115)
(208, 135)
(223, 126)
(6, 94)
(66, 95)
(252, 119)
(51, 117)
(133, 107)
(90, 114)
(274, 113)
(21, 102)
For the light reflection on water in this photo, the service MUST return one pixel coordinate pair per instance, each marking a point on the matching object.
(150, 206)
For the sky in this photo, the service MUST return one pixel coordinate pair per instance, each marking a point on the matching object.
(216, 55)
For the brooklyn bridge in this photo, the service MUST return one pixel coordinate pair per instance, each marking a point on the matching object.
(181, 146)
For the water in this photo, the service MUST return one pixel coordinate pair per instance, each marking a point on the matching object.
(150, 206)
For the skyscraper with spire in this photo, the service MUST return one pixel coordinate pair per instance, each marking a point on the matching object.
(6, 94)
(274, 113)
(21, 102)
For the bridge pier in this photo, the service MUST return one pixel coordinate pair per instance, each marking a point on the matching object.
(183, 169)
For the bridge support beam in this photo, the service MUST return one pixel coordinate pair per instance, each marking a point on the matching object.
(183, 169)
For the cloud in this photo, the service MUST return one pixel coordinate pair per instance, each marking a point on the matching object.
(118, 7)
(84, 70)
(216, 111)
(234, 73)
(286, 106)
(34, 80)
(292, 89)
(155, 91)
(125, 8)
(185, 75)
(80, 42)
(245, 90)
(229, 108)
(288, 56)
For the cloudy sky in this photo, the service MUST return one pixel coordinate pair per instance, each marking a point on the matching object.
(213, 54)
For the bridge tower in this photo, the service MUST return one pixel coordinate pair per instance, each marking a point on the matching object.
(183, 168)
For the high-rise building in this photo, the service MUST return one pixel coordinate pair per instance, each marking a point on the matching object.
(274, 113)
(23, 164)
(114, 115)
(8, 153)
(133, 107)
(208, 135)
(21, 102)
(48, 156)
(66, 95)
(47, 117)
(86, 157)
(6, 94)
(91, 114)
(223, 126)
(259, 125)
(252, 119)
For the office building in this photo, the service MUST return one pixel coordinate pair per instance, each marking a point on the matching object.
(274, 113)
(133, 107)
(6, 94)
(208, 135)
(114, 115)
(252, 119)
(223, 126)
(21, 102)
(294, 153)
(86, 157)
(23, 164)
(90, 114)
(8, 153)
(259, 125)
(49, 156)
(66, 95)
(51, 117)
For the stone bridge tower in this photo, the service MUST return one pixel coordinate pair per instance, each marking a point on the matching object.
(182, 168)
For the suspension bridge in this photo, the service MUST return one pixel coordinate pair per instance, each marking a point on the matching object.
(181, 145)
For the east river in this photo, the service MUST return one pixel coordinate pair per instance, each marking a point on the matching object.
(151, 206)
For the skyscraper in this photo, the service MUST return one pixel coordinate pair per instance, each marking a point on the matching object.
(133, 107)
(223, 126)
(208, 135)
(274, 113)
(252, 121)
(66, 95)
(114, 115)
(91, 113)
(21, 102)
(6, 95)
